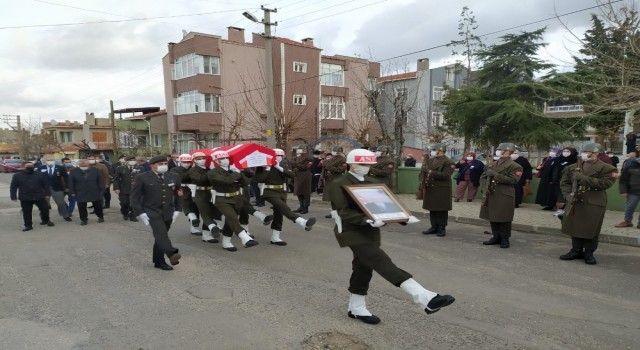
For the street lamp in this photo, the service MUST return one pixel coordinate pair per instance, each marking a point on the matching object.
(250, 17)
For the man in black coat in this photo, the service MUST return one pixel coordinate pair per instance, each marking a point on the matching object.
(525, 179)
(86, 185)
(31, 188)
(57, 178)
(122, 186)
(154, 203)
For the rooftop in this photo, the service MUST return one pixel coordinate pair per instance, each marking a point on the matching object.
(397, 77)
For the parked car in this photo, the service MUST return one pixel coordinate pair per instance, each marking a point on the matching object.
(11, 165)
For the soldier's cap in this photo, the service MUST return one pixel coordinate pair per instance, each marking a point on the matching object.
(158, 159)
(128, 158)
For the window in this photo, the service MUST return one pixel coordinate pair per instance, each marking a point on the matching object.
(99, 136)
(196, 102)
(128, 140)
(332, 107)
(157, 140)
(331, 75)
(299, 67)
(142, 140)
(436, 119)
(66, 136)
(299, 100)
(450, 78)
(192, 64)
(438, 93)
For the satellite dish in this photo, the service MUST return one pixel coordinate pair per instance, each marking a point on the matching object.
(91, 145)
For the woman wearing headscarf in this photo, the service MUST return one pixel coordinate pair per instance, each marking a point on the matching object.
(546, 189)
(568, 156)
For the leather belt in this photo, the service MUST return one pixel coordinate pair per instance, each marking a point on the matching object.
(274, 187)
(203, 188)
(229, 194)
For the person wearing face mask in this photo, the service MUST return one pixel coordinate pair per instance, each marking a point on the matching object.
(468, 178)
(71, 201)
(272, 181)
(154, 199)
(355, 230)
(31, 188)
(385, 166)
(302, 179)
(189, 207)
(58, 179)
(226, 181)
(499, 202)
(105, 176)
(584, 185)
(568, 156)
(316, 170)
(629, 187)
(198, 179)
(86, 186)
(547, 196)
(525, 179)
(122, 182)
(435, 184)
(333, 167)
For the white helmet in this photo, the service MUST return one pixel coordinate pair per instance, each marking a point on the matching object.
(217, 155)
(185, 158)
(198, 155)
(279, 152)
(361, 156)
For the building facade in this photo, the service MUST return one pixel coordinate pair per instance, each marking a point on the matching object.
(75, 139)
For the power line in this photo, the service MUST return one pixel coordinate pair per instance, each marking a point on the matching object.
(316, 11)
(80, 8)
(337, 13)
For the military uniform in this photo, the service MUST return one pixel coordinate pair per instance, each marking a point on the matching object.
(383, 170)
(122, 181)
(302, 182)
(435, 182)
(188, 205)
(154, 195)
(499, 202)
(202, 199)
(332, 168)
(584, 185)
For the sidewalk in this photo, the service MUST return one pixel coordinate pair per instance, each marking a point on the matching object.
(531, 218)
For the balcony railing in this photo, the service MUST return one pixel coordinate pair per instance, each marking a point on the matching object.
(564, 109)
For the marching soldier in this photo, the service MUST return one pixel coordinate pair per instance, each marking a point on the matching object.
(198, 176)
(189, 207)
(271, 181)
(435, 182)
(125, 174)
(154, 203)
(584, 184)
(384, 167)
(333, 168)
(302, 180)
(226, 181)
(499, 202)
(362, 235)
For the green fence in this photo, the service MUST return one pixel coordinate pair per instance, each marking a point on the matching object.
(408, 183)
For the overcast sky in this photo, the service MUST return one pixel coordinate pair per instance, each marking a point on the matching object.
(62, 72)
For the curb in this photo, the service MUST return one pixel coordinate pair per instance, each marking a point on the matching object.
(545, 230)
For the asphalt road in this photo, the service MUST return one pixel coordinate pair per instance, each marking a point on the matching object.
(94, 287)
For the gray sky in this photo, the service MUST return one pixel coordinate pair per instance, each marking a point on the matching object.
(64, 71)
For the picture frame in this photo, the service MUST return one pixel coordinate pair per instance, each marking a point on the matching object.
(378, 202)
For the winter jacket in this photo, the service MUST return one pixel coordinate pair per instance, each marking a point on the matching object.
(29, 186)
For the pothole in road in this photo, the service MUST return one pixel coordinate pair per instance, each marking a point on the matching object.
(333, 340)
(211, 292)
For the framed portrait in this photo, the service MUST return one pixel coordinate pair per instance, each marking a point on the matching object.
(378, 202)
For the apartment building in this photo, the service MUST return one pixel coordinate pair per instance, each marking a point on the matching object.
(75, 139)
(145, 127)
(215, 90)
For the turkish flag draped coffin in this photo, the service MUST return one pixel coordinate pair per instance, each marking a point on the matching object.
(243, 156)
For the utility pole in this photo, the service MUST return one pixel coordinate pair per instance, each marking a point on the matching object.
(268, 45)
(113, 128)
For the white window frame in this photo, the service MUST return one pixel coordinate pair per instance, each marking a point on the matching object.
(331, 75)
(299, 67)
(192, 64)
(64, 139)
(438, 93)
(157, 140)
(332, 107)
(300, 100)
(190, 102)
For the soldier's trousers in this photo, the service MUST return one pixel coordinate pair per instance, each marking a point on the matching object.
(501, 230)
(368, 258)
(439, 218)
(125, 205)
(207, 211)
(280, 210)
(189, 206)
(247, 209)
(233, 209)
(162, 244)
(305, 200)
(590, 245)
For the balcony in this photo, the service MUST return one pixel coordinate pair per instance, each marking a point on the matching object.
(564, 111)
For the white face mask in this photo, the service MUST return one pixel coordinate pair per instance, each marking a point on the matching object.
(131, 163)
(185, 165)
(515, 156)
(123, 161)
(433, 153)
(584, 156)
(224, 162)
(162, 168)
(50, 163)
(552, 154)
(496, 158)
(360, 169)
(499, 153)
(334, 153)
(84, 167)
(92, 161)
(378, 153)
(566, 154)
(200, 162)
(469, 158)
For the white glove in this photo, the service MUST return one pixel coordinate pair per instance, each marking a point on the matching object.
(413, 220)
(279, 168)
(267, 168)
(376, 224)
(175, 216)
(233, 167)
(144, 218)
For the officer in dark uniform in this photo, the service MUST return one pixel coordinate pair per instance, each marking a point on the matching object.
(155, 203)
(198, 176)
(272, 181)
(31, 188)
(302, 179)
(584, 185)
(362, 235)
(435, 182)
(333, 168)
(122, 186)
(385, 166)
(189, 207)
(499, 202)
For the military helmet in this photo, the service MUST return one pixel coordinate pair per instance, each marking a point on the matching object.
(361, 156)
(279, 152)
(507, 146)
(338, 149)
(439, 147)
(592, 147)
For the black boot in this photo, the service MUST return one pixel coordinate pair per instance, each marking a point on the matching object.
(589, 259)
(572, 255)
(442, 231)
(299, 207)
(432, 231)
(495, 239)
(304, 210)
(504, 242)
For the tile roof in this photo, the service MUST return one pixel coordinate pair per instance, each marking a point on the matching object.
(396, 77)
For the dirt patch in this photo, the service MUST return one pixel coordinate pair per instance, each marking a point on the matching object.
(333, 340)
